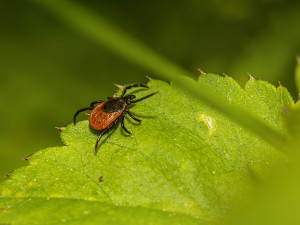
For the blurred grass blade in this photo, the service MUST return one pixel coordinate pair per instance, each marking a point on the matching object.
(297, 74)
(102, 32)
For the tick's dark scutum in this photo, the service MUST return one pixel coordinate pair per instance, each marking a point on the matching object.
(114, 105)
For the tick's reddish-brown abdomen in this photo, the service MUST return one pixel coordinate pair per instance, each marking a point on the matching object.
(100, 120)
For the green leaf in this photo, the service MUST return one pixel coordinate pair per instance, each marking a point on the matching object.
(293, 126)
(186, 163)
(105, 34)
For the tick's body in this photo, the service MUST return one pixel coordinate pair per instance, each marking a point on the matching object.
(106, 114)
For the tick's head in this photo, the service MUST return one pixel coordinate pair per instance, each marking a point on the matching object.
(128, 98)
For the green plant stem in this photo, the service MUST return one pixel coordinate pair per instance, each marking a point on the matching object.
(105, 34)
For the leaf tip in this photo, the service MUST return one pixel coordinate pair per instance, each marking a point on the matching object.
(60, 129)
(251, 77)
(201, 71)
(149, 78)
(27, 157)
(8, 175)
(119, 86)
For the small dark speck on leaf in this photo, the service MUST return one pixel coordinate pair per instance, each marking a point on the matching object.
(100, 179)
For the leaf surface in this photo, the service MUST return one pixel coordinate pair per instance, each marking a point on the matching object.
(185, 164)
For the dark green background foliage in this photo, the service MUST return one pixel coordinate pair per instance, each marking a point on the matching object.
(47, 70)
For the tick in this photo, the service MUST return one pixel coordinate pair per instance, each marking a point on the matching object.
(106, 114)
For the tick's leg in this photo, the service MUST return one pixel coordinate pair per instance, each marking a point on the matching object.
(95, 102)
(131, 86)
(122, 124)
(129, 113)
(103, 132)
(79, 111)
(138, 100)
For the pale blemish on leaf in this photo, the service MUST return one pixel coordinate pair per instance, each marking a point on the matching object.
(54, 195)
(208, 121)
(189, 204)
(6, 192)
(20, 194)
(91, 198)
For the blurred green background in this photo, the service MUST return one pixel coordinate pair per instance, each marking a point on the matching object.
(48, 70)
